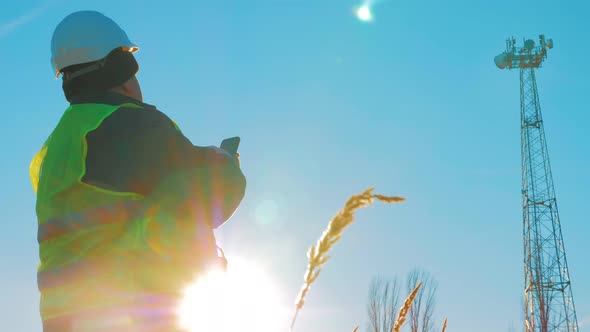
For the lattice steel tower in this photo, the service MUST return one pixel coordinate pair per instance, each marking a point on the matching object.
(548, 298)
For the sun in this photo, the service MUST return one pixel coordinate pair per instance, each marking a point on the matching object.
(364, 13)
(242, 299)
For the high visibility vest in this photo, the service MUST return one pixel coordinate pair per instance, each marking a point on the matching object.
(100, 248)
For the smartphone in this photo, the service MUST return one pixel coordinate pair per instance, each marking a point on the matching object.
(231, 145)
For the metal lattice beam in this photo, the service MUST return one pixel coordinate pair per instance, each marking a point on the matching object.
(549, 305)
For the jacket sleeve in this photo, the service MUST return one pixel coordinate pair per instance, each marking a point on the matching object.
(141, 150)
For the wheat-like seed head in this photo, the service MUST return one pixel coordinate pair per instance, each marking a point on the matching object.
(317, 254)
(355, 329)
(444, 325)
(403, 311)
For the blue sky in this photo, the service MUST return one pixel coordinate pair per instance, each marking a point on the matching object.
(327, 106)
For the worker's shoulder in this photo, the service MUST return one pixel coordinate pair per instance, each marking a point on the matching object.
(133, 117)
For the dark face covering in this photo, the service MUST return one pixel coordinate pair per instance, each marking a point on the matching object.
(99, 76)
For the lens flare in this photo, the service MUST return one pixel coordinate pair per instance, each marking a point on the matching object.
(267, 212)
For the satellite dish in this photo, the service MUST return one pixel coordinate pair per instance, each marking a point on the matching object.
(549, 43)
(501, 60)
(529, 44)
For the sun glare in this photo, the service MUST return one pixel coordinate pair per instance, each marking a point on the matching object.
(364, 13)
(242, 299)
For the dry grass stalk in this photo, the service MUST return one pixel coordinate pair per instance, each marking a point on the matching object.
(317, 254)
(403, 311)
(444, 325)
(355, 329)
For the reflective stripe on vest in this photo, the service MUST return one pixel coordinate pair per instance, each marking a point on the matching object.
(103, 215)
(151, 312)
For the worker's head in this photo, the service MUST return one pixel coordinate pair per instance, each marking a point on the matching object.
(94, 55)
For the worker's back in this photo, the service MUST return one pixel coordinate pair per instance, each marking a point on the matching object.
(126, 204)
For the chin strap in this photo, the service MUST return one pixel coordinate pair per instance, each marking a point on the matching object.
(88, 69)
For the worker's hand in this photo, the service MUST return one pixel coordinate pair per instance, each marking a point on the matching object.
(224, 154)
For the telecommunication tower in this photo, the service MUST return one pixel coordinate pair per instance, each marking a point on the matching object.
(548, 298)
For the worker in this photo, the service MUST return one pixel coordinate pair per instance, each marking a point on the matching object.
(126, 204)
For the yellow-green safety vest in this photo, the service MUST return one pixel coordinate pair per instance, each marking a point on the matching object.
(100, 248)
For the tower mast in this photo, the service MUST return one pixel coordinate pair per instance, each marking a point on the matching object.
(548, 297)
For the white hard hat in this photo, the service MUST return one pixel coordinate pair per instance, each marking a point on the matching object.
(86, 36)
